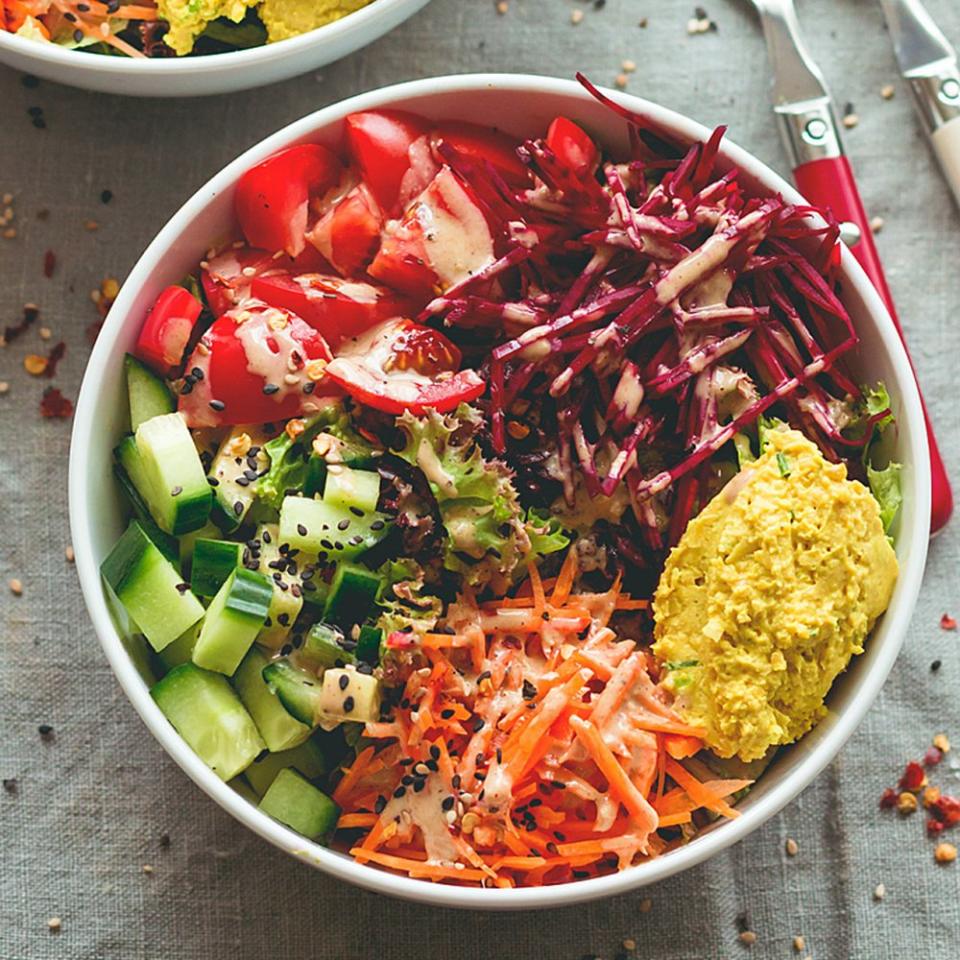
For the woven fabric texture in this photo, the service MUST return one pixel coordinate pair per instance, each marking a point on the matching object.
(93, 800)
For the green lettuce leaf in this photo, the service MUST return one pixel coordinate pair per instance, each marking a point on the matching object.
(546, 534)
(404, 605)
(885, 487)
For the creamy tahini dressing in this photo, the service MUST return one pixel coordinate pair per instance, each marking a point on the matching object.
(424, 810)
(456, 236)
(282, 366)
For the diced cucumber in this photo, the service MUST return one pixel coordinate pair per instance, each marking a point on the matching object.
(348, 695)
(129, 473)
(353, 593)
(234, 473)
(187, 541)
(232, 621)
(307, 759)
(279, 730)
(316, 477)
(346, 488)
(323, 647)
(297, 803)
(329, 532)
(206, 712)
(298, 690)
(181, 650)
(148, 394)
(213, 562)
(368, 644)
(240, 786)
(174, 486)
(287, 600)
(150, 588)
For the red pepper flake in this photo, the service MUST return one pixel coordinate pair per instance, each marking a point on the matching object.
(932, 757)
(53, 358)
(30, 314)
(947, 622)
(913, 777)
(49, 263)
(934, 826)
(55, 405)
(888, 799)
(947, 810)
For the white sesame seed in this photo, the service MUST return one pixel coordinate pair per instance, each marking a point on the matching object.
(45, 333)
(628, 66)
(54, 924)
(799, 943)
(16, 587)
(792, 847)
(879, 891)
(887, 91)
(4, 387)
(7, 199)
(147, 868)
(850, 120)
(69, 554)
(876, 224)
(621, 81)
(646, 905)
(576, 16)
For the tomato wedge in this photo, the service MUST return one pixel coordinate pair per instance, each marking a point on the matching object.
(166, 330)
(271, 200)
(573, 147)
(337, 308)
(348, 234)
(253, 366)
(400, 365)
(443, 239)
(382, 142)
(477, 142)
(227, 278)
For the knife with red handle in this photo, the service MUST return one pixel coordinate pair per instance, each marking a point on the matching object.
(824, 176)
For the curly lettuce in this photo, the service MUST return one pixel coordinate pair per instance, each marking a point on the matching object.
(488, 536)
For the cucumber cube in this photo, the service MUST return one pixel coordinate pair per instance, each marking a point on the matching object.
(353, 594)
(150, 588)
(279, 730)
(328, 531)
(232, 621)
(307, 759)
(212, 563)
(298, 690)
(297, 803)
(346, 488)
(349, 696)
(206, 712)
(323, 647)
(148, 394)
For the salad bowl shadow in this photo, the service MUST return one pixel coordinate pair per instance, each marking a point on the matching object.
(213, 73)
(530, 103)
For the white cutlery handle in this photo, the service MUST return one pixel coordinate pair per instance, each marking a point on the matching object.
(946, 145)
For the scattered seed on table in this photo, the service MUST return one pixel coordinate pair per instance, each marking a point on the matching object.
(906, 803)
(876, 224)
(164, 840)
(887, 91)
(642, 23)
(16, 587)
(90, 225)
(10, 233)
(799, 943)
(576, 16)
(502, 7)
(748, 937)
(792, 847)
(646, 905)
(4, 387)
(45, 731)
(147, 868)
(106, 196)
(936, 665)
(628, 66)
(69, 554)
(945, 853)
(941, 742)
(54, 924)
(879, 891)
(621, 81)
(10, 784)
(629, 944)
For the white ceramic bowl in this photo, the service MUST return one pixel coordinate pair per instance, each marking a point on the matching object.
(523, 105)
(217, 73)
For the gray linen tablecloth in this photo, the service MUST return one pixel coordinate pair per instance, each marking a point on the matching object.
(93, 801)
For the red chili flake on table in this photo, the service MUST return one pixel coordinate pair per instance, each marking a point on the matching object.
(934, 826)
(947, 622)
(888, 799)
(913, 777)
(54, 404)
(947, 810)
(53, 358)
(932, 757)
(30, 314)
(49, 263)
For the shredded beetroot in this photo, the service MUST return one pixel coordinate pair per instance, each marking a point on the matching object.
(55, 405)
(654, 307)
(913, 776)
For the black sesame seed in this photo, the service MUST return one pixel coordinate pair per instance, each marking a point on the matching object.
(348, 705)
(309, 387)
(213, 481)
(399, 792)
(435, 752)
(456, 781)
(356, 511)
(301, 529)
(419, 785)
(343, 524)
(266, 536)
(344, 681)
(187, 388)
(529, 690)
(182, 588)
(377, 525)
(283, 619)
(936, 665)
(243, 482)
(251, 474)
(379, 804)
(217, 405)
(45, 730)
(10, 784)
(448, 802)
(176, 491)
(295, 590)
(432, 765)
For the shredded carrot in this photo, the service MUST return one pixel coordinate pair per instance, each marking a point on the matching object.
(514, 731)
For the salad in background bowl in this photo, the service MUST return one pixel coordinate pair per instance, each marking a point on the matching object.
(496, 494)
(180, 49)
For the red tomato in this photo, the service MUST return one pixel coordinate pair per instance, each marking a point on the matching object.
(348, 234)
(380, 141)
(227, 278)
(272, 198)
(244, 361)
(335, 307)
(400, 365)
(573, 147)
(483, 143)
(443, 239)
(166, 330)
